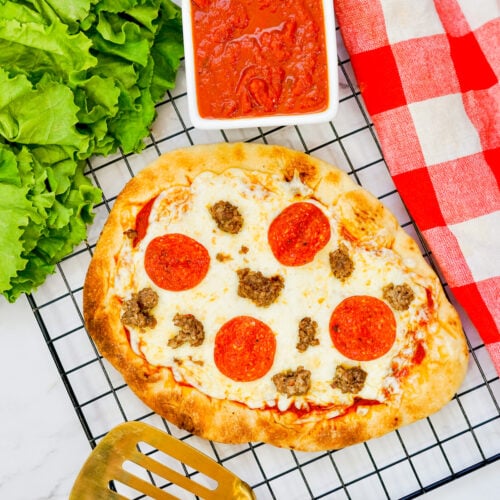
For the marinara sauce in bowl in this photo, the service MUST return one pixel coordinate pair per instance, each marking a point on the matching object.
(256, 63)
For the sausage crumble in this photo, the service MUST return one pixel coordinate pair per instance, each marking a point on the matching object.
(261, 290)
(399, 296)
(227, 217)
(136, 310)
(293, 383)
(222, 257)
(131, 234)
(190, 330)
(341, 263)
(307, 334)
(349, 379)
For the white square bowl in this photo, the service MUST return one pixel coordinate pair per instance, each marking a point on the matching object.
(266, 120)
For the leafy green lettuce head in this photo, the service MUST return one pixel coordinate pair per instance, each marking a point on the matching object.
(77, 78)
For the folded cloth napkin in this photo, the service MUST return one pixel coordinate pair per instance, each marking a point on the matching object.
(428, 71)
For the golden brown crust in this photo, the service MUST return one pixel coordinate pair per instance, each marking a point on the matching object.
(425, 389)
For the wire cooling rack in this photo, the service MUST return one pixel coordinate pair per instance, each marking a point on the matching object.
(462, 437)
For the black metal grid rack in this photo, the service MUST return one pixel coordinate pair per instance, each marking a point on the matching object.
(403, 464)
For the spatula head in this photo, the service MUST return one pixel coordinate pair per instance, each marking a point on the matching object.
(122, 444)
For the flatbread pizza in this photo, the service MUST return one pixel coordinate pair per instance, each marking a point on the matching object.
(250, 292)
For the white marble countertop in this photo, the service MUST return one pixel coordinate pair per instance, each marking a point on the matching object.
(42, 442)
(42, 445)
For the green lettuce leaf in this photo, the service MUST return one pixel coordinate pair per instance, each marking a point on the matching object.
(77, 78)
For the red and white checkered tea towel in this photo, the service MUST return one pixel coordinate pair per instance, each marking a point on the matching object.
(428, 71)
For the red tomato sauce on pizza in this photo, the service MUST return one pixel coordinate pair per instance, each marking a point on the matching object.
(258, 57)
(329, 409)
(142, 221)
(419, 355)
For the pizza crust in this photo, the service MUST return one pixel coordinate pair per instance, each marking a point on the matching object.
(427, 388)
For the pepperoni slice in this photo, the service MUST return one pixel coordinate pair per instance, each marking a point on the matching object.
(176, 262)
(298, 233)
(244, 349)
(142, 220)
(363, 328)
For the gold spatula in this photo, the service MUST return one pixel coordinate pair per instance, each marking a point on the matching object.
(121, 444)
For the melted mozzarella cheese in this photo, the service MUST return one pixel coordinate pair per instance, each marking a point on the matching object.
(310, 291)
